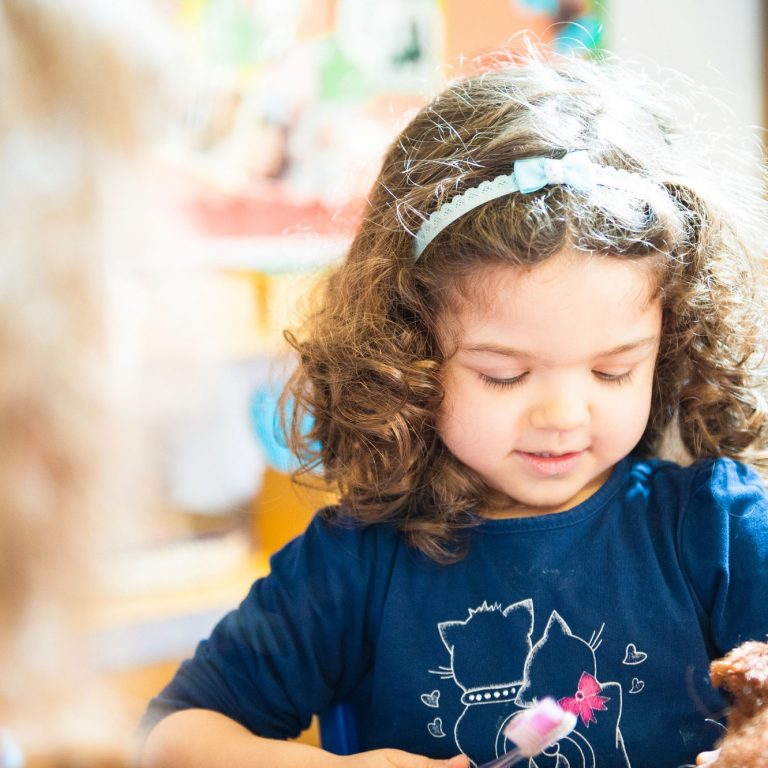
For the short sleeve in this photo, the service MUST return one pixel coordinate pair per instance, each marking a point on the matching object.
(723, 543)
(300, 639)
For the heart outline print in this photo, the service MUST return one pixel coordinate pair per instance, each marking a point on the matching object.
(637, 685)
(431, 699)
(435, 728)
(633, 656)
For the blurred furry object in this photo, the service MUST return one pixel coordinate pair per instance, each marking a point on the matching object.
(69, 110)
(744, 674)
(80, 79)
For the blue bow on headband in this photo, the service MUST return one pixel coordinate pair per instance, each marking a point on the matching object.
(528, 175)
(574, 169)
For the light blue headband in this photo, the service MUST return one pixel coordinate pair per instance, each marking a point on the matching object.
(528, 175)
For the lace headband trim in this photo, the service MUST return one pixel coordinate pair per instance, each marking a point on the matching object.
(530, 174)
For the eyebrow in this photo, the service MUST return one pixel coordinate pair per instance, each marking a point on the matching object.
(498, 349)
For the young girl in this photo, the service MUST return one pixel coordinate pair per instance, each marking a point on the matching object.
(547, 291)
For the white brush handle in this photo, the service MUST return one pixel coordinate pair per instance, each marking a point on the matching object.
(505, 760)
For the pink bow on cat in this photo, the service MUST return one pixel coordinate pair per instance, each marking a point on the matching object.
(586, 700)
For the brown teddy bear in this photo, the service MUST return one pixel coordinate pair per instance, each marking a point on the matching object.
(744, 674)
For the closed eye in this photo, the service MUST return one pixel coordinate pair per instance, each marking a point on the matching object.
(503, 383)
(614, 378)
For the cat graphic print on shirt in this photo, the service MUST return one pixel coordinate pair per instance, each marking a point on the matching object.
(496, 687)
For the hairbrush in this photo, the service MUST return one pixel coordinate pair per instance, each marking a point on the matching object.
(533, 730)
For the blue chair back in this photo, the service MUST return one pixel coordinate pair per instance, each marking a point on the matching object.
(338, 730)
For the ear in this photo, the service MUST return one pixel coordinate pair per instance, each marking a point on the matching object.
(522, 614)
(557, 624)
(448, 631)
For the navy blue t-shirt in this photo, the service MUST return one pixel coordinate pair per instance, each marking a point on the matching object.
(615, 608)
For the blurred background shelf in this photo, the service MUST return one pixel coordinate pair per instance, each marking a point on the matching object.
(270, 254)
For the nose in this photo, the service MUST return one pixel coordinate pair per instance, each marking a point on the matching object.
(560, 411)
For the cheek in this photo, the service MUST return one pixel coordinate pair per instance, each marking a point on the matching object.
(470, 413)
(456, 418)
(627, 415)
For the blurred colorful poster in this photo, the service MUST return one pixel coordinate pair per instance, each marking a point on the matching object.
(309, 93)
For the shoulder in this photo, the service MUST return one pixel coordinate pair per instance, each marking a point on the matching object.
(340, 566)
(336, 542)
(719, 483)
(332, 527)
(727, 487)
(723, 510)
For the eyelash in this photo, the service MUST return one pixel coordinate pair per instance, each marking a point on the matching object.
(615, 379)
(503, 383)
(606, 378)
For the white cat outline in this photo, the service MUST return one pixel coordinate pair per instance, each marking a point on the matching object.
(556, 620)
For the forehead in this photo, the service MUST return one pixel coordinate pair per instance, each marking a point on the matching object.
(573, 303)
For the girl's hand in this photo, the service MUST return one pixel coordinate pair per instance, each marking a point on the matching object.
(707, 758)
(396, 758)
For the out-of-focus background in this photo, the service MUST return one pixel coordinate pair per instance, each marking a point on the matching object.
(282, 138)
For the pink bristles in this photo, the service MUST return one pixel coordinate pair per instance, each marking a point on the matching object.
(534, 729)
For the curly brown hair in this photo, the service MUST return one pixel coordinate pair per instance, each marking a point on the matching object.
(371, 355)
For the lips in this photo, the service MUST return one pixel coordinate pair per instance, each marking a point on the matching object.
(550, 464)
(553, 454)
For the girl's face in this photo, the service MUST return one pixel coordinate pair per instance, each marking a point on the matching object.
(551, 384)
